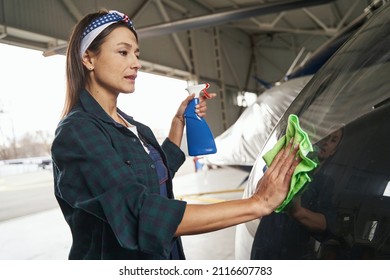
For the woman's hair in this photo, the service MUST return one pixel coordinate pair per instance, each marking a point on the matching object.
(76, 73)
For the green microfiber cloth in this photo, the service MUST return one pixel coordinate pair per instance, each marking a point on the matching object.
(300, 176)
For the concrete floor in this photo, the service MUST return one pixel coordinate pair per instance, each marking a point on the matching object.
(46, 236)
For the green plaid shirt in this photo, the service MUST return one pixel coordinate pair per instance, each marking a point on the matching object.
(108, 189)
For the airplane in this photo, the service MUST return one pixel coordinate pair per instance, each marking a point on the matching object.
(240, 144)
(348, 193)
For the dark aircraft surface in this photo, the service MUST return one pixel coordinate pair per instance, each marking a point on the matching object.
(343, 212)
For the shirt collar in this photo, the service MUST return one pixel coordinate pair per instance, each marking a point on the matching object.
(90, 105)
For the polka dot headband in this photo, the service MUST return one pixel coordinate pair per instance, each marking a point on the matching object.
(98, 25)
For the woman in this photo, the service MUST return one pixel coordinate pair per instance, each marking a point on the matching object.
(113, 181)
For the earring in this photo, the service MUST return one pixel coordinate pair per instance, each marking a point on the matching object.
(91, 68)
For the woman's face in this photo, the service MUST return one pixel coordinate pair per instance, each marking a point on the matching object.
(327, 146)
(117, 63)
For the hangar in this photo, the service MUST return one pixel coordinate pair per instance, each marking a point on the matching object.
(235, 45)
(374, 212)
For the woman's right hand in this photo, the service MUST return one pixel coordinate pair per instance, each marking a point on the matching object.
(273, 187)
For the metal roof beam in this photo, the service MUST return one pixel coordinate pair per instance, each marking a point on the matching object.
(268, 28)
(140, 10)
(224, 17)
(176, 39)
(346, 16)
(176, 6)
(316, 20)
(73, 9)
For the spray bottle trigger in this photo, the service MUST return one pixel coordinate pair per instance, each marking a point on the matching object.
(206, 94)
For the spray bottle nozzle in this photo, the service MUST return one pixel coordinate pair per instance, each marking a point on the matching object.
(197, 89)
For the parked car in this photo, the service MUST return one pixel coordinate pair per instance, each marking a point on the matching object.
(345, 109)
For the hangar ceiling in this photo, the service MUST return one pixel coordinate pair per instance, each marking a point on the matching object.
(228, 43)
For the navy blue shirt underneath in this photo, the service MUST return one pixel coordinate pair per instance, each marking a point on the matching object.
(162, 173)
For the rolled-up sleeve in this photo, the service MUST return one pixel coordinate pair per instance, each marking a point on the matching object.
(91, 175)
(175, 156)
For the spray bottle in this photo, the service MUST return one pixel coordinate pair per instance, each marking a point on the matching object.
(200, 140)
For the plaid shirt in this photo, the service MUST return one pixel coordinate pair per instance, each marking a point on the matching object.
(108, 189)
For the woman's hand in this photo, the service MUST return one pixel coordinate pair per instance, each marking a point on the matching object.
(200, 108)
(177, 126)
(182, 107)
(273, 187)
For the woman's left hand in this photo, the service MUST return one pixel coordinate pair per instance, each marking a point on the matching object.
(200, 108)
